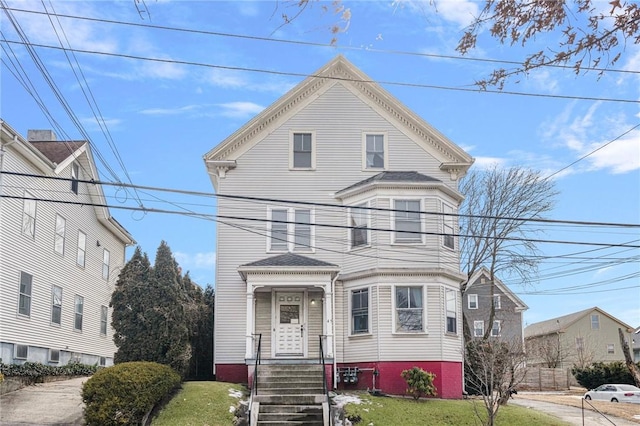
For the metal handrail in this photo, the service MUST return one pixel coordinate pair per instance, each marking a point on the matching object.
(596, 410)
(324, 369)
(254, 386)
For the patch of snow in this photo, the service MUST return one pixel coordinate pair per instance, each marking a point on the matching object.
(235, 393)
(232, 409)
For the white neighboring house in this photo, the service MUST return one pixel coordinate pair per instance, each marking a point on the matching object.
(59, 261)
(375, 279)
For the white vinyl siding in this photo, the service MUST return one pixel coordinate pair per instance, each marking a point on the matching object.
(407, 223)
(359, 226)
(29, 215)
(79, 313)
(82, 248)
(56, 305)
(59, 236)
(24, 301)
(106, 260)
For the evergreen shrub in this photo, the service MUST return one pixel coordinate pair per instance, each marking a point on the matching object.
(600, 373)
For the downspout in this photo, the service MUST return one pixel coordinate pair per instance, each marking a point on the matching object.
(333, 331)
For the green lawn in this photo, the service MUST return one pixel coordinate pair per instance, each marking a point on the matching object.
(407, 412)
(201, 404)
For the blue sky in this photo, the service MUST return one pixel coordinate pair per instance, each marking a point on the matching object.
(152, 121)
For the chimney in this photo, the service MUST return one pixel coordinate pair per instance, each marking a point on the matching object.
(41, 135)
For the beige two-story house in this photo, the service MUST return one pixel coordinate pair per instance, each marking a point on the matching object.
(60, 252)
(337, 237)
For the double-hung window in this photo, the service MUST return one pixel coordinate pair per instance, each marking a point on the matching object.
(56, 305)
(497, 302)
(496, 329)
(374, 151)
(302, 155)
(105, 263)
(360, 311)
(409, 309)
(478, 328)
(448, 221)
(79, 312)
(358, 226)
(291, 230)
(24, 300)
(472, 301)
(82, 247)
(29, 215)
(103, 320)
(75, 173)
(451, 308)
(407, 222)
(58, 238)
(595, 322)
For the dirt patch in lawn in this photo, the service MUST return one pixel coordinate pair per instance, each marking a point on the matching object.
(574, 398)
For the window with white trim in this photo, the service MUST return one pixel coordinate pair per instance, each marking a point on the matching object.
(24, 299)
(375, 152)
(472, 301)
(58, 238)
(407, 222)
(103, 320)
(21, 352)
(29, 215)
(56, 305)
(360, 311)
(409, 309)
(82, 247)
(595, 322)
(302, 155)
(451, 309)
(75, 173)
(448, 230)
(496, 329)
(106, 258)
(497, 301)
(611, 348)
(478, 328)
(79, 312)
(54, 355)
(359, 225)
(290, 230)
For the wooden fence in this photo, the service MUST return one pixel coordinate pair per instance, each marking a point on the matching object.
(546, 379)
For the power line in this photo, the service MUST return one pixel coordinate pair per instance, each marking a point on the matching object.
(336, 78)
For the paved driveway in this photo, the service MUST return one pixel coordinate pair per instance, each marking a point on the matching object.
(54, 403)
(572, 415)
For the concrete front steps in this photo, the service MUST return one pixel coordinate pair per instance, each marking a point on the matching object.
(290, 394)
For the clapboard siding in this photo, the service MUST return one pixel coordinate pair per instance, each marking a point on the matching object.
(263, 322)
(36, 256)
(314, 318)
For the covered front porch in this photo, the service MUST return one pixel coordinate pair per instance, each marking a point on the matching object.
(289, 310)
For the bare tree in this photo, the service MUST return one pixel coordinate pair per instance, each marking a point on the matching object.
(584, 353)
(548, 351)
(493, 368)
(633, 368)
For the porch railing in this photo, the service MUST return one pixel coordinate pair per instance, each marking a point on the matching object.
(324, 368)
(254, 381)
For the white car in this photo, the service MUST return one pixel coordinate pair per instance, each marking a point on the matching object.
(614, 393)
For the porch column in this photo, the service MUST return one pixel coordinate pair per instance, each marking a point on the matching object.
(250, 323)
(328, 314)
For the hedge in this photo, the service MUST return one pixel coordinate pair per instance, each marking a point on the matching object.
(125, 393)
(37, 371)
(600, 373)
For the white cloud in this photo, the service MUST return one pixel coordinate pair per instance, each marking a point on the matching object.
(191, 261)
(240, 109)
(488, 162)
(620, 156)
(460, 12)
(169, 111)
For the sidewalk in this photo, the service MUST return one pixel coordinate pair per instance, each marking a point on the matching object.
(53, 403)
(572, 415)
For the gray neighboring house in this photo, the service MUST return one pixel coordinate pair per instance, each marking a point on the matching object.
(583, 337)
(636, 345)
(476, 305)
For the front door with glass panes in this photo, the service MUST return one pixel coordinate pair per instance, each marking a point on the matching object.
(289, 324)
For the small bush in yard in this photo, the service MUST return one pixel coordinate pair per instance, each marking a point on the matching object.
(125, 393)
(600, 373)
(419, 382)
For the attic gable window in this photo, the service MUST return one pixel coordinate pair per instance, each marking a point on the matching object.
(375, 151)
(302, 152)
(75, 172)
(595, 322)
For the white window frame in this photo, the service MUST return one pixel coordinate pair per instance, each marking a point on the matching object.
(352, 330)
(106, 260)
(104, 315)
(29, 212)
(54, 358)
(596, 322)
(299, 224)
(395, 213)
(448, 227)
(17, 349)
(472, 299)
(81, 256)
(478, 325)
(611, 348)
(499, 328)
(56, 303)
(449, 312)
(78, 314)
(75, 174)
(25, 294)
(385, 147)
(292, 135)
(359, 211)
(291, 225)
(395, 321)
(497, 302)
(59, 234)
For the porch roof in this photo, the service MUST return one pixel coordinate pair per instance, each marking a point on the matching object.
(288, 262)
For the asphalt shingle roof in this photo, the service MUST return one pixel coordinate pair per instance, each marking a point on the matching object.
(291, 260)
(57, 151)
(391, 176)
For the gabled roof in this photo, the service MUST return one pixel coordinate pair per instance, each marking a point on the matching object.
(288, 262)
(560, 324)
(338, 71)
(520, 305)
(58, 151)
